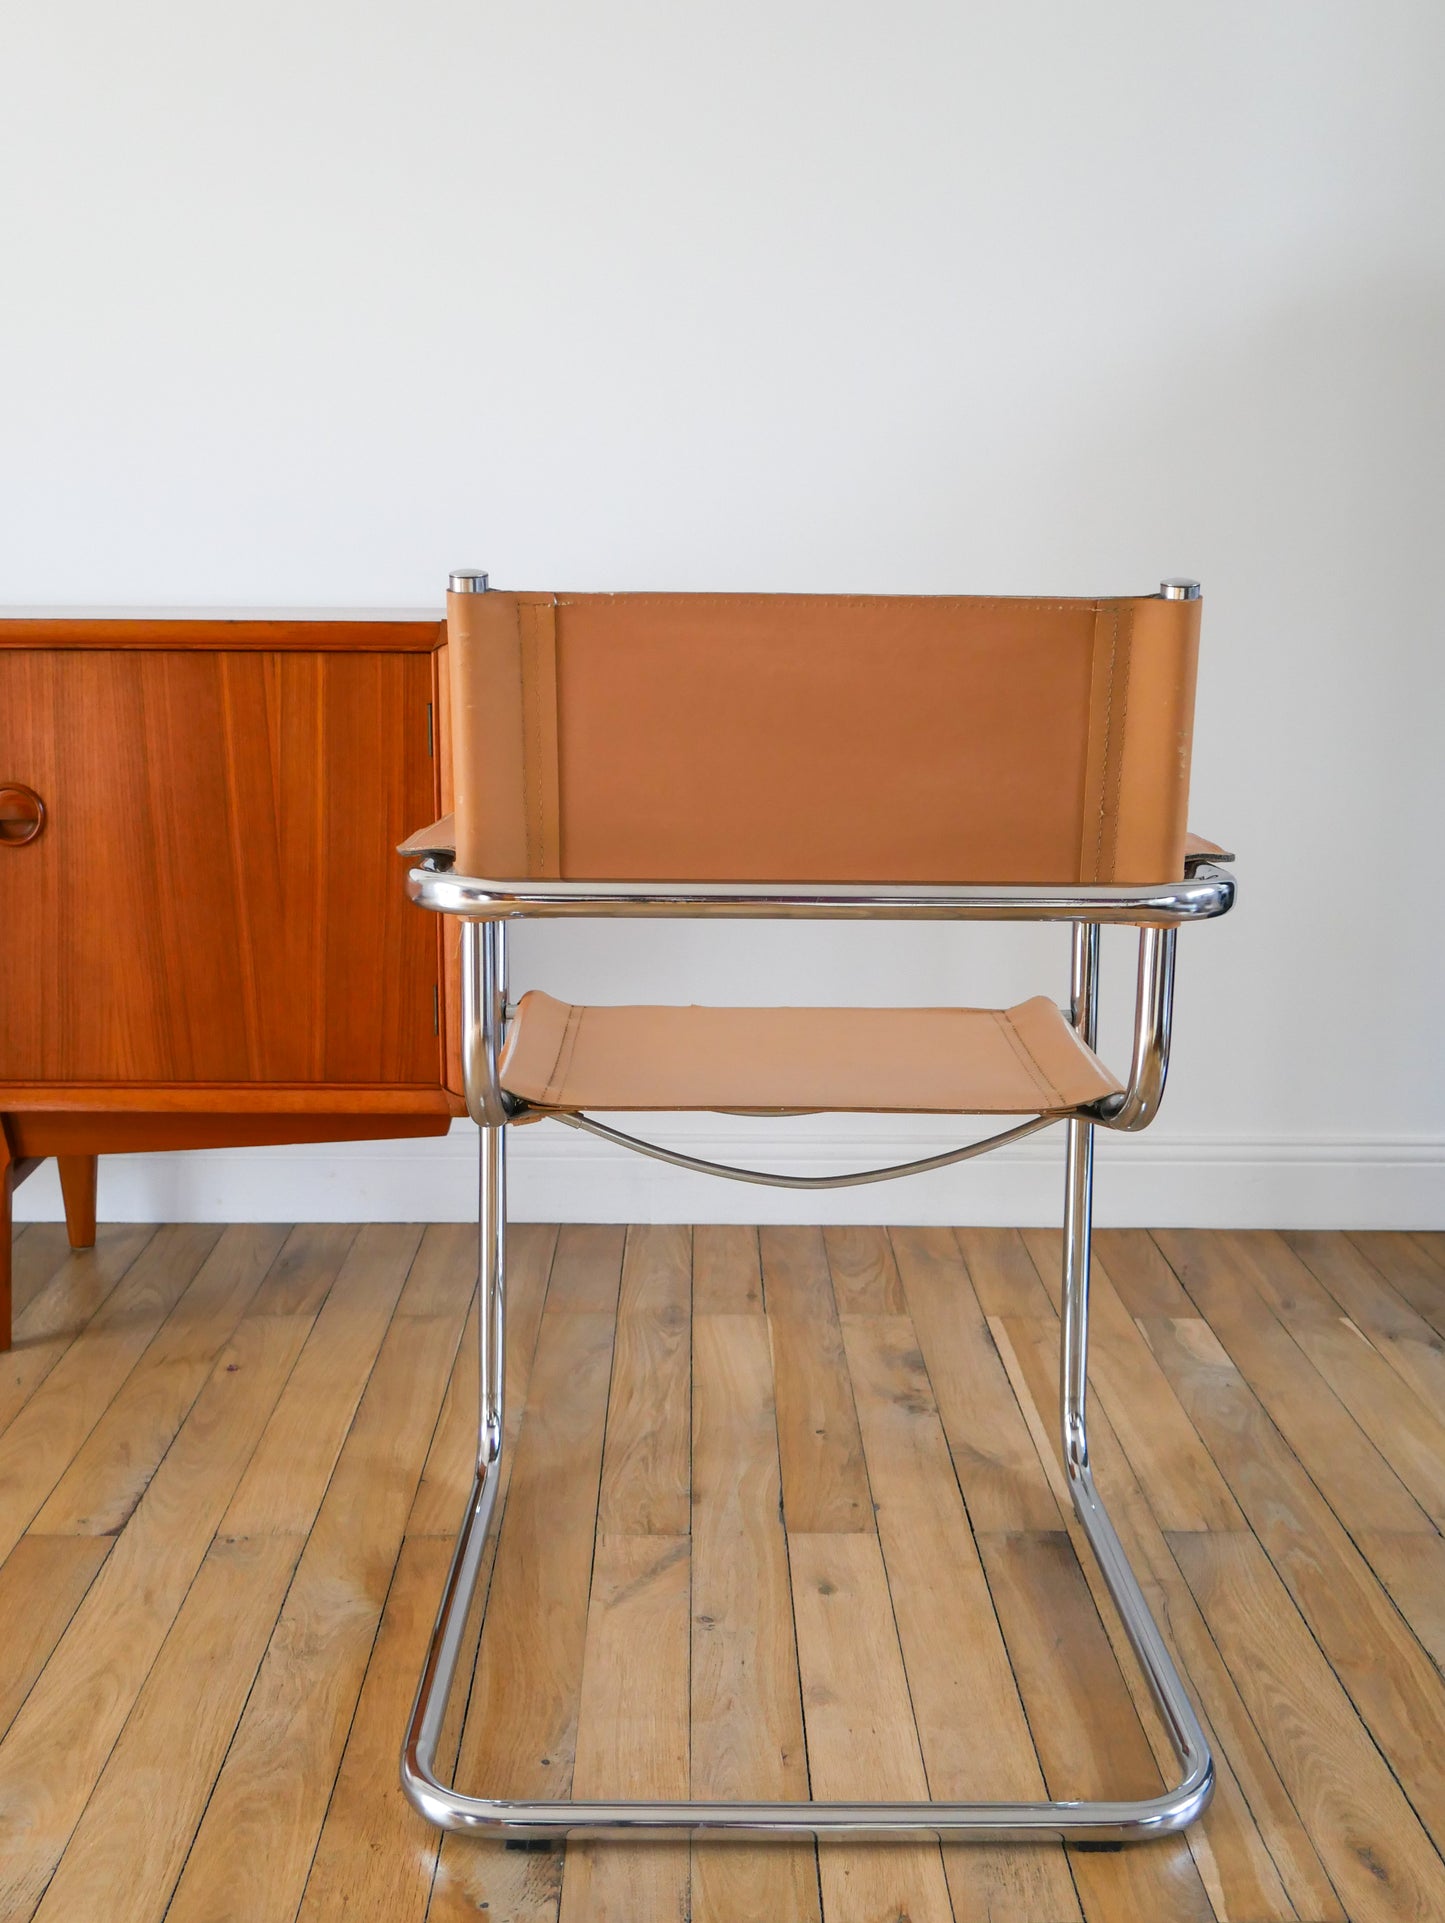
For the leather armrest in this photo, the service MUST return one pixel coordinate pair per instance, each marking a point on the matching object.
(439, 839)
(1198, 850)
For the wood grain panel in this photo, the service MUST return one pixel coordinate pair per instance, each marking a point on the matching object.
(1410, 1265)
(215, 897)
(41, 1583)
(246, 633)
(38, 1251)
(971, 1724)
(371, 1862)
(43, 1438)
(587, 1269)
(54, 1752)
(633, 1726)
(256, 1842)
(861, 1736)
(1378, 1856)
(1411, 1568)
(1089, 1737)
(865, 1274)
(286, 1479)
(1243, 1875)
(1396, 1689)
(109, 1474)
(997, 1465)
(174, 1740)
(825, 1485)
(1413, 1348)
(1406, 1429)
(126, 1660)
(45, 1330)
(1003, 1276)
(747, 1718)
(1145, 1282)
(727, 1277)
(1185, 1488)
(646, 1466)
(1360, 1486)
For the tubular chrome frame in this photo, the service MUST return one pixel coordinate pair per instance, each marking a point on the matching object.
(486, 907)
(1207, 892)
(856, 1180)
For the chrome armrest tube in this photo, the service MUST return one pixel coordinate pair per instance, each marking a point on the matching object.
(1209, 892)
(1153, 1017)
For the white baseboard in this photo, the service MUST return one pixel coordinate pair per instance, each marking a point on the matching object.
(558, 1175)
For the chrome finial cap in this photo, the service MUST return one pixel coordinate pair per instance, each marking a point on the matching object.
(1177, 588)
(469, 581)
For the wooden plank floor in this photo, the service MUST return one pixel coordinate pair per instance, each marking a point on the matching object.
(783, 1516)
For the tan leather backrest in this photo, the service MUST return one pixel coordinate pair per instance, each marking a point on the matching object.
(782, 737)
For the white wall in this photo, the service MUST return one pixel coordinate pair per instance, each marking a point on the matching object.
(306, 304)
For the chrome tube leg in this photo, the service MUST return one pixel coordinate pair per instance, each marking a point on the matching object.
(1078, 1213)
(419, 1754)
(1074, 1345)
(492, 1284)
(1168, 1691)
(492, 1201)
(1165, 1686)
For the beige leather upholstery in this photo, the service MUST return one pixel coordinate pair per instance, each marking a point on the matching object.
(440, 838)
(815, 738)
(734, 737)
(1196, 848)
(976, 1061)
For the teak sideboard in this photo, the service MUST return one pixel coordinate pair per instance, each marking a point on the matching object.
(206, 942)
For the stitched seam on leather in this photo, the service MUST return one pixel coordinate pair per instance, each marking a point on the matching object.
(566, 1048)
(1104, 757)
(1025, 1055)
(1115, 779)
(549, 774)
(520, 644)
(550, 801)
(531, 740)
(532, 752)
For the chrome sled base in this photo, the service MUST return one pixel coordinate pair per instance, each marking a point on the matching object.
(1074, 1821)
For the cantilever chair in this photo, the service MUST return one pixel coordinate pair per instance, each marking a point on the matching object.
(902, 758)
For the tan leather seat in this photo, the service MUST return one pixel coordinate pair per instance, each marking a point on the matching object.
(976, 1061)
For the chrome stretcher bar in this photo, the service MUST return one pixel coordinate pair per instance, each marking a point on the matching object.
(1158, 911)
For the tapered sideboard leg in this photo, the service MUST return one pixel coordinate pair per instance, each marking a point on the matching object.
(7, 1191)
(13, 1171)
(77, 1186)
(5, 1238)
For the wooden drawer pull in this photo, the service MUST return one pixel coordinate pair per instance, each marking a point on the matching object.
(22, 814)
